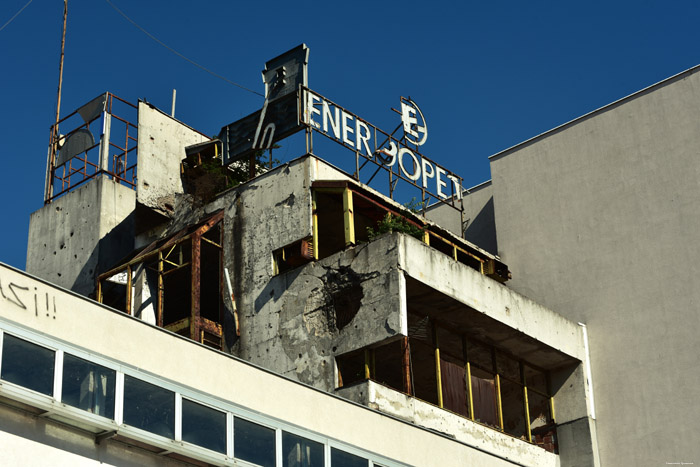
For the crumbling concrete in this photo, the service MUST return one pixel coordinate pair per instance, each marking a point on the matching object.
(161, 148)
(421, 413)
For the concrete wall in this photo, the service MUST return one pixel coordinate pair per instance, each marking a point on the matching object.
(288, 322)
(161, 148)
(489, 297)
(85, 231)
(144, 348)
(598, 221)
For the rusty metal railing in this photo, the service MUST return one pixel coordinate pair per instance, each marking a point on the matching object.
(102, 139)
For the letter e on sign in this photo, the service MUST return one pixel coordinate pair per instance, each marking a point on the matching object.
(414, 132)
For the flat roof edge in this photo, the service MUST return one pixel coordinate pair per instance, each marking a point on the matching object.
(599, 110)
(478, 187)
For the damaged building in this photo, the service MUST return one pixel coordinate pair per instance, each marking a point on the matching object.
(190, 299)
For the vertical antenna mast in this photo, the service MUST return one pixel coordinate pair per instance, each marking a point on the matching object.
(54, 135)
(60, 65)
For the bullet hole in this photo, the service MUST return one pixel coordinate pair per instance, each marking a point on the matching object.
(59, 274)
(71, 234)
(63, 245)
(335, 348)
(299, 355)
(54, 253)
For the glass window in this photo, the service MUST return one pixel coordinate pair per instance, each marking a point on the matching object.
(253, 443)
(88, 386)
(345, 459)
(149, 407)
(203, 426)
(28, 365)
(301, 452)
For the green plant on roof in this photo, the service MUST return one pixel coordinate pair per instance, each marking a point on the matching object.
(397, 223)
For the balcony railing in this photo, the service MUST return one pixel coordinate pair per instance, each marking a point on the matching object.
(101, 139)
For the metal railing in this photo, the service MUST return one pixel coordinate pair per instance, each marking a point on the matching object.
(80, 154)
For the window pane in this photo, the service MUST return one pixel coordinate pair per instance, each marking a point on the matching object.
(345, 459)
(203, 426)
(28, 365)
(253, 443)
(149, 407)
(301, 452)
(88, 386)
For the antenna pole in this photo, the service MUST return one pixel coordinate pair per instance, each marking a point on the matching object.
(55, 133)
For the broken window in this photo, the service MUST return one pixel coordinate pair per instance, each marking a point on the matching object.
(88, 386)
(330, 223)
(114, 291)
(175, 283)
(293, 255)
(422, 359)
(351, 368)
(451, 370)
(345, 214)
(386, 365)
(483, 382)
(27, 365)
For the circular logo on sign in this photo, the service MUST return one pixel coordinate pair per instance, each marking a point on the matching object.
(415, 129)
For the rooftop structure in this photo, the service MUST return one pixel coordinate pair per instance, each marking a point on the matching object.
(187, 299)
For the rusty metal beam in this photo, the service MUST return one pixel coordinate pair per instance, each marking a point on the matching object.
(159, 301)
(406, 365)
(314, 211)
(195, 286)
(129, 311)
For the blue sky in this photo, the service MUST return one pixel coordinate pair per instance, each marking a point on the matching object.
(487, 75)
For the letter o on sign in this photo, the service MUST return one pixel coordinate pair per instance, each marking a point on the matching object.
(416, 164)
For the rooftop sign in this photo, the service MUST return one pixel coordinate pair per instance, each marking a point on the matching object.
(291, 106)
(346, 128)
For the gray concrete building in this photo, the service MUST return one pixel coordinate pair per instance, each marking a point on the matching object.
(597, 220)
(176, 309)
